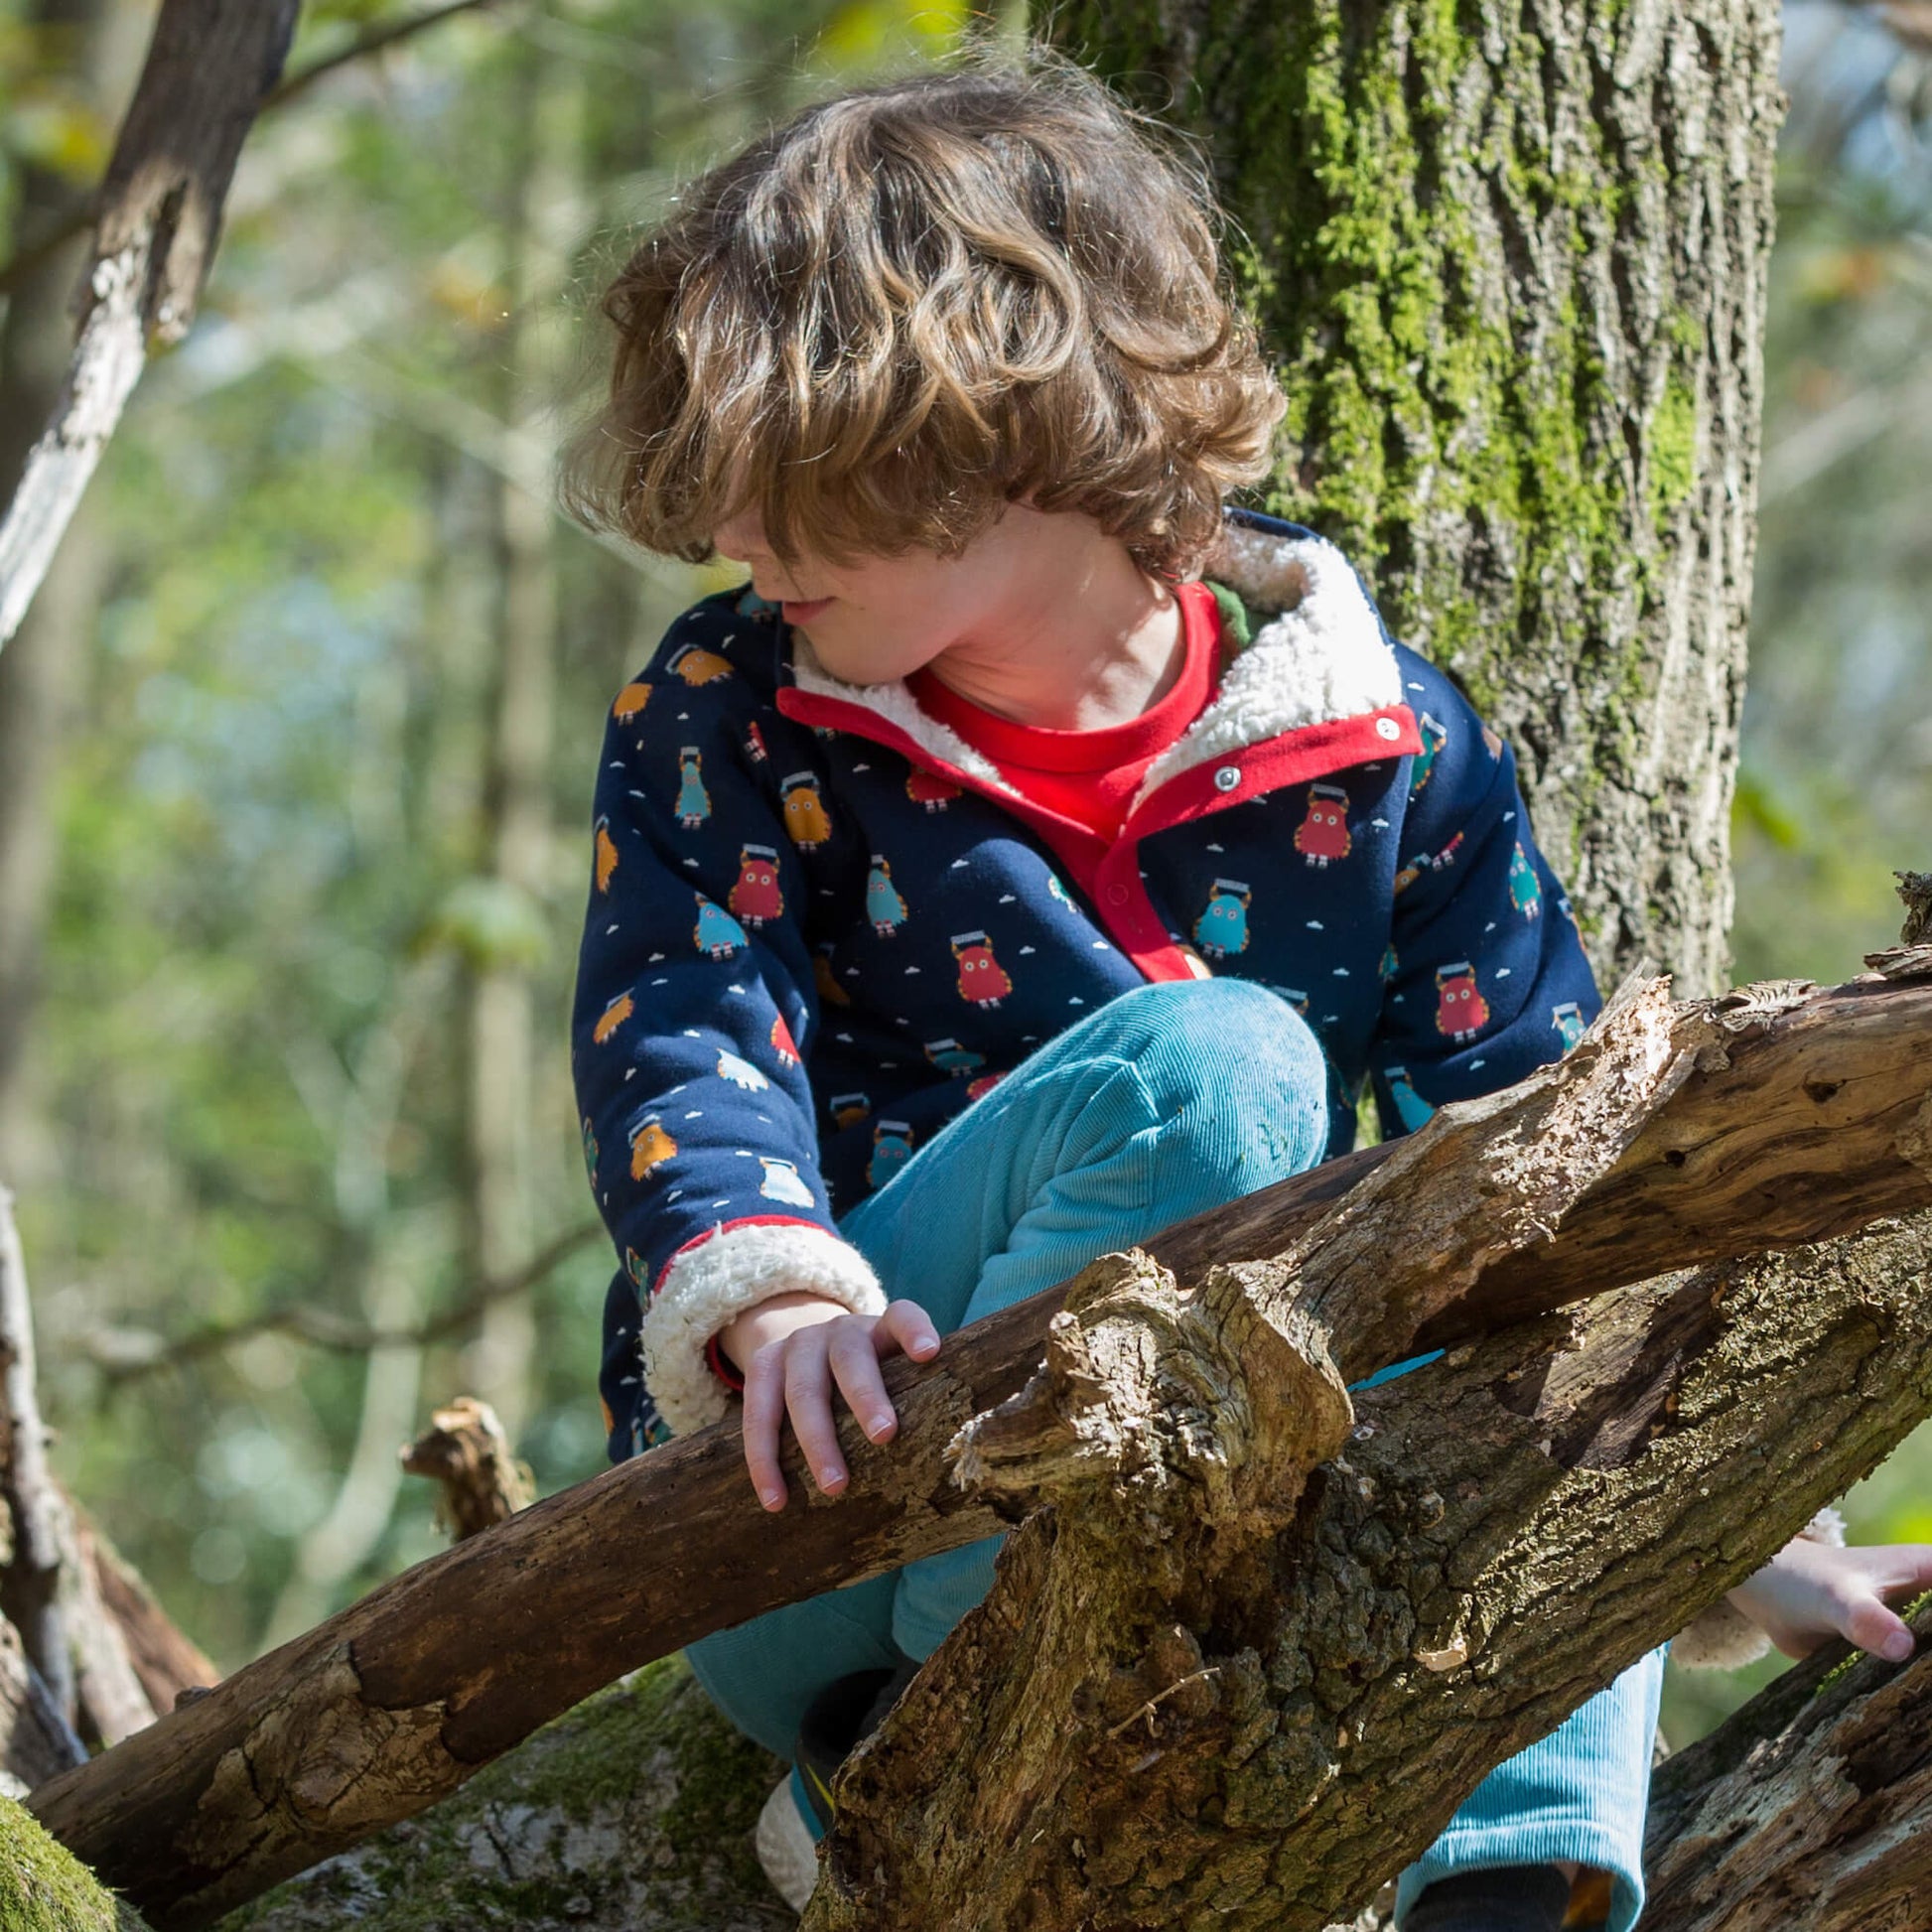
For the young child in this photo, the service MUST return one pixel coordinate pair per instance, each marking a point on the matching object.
(1034, 853)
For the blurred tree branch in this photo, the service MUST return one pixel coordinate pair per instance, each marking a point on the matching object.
(18, 267)
(136, 1356)
(210, 66)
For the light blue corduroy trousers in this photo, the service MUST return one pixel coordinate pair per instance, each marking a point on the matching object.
(1167, 1101)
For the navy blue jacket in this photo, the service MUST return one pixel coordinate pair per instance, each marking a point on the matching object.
(820, 924)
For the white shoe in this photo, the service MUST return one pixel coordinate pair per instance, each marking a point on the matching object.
(786, 1849)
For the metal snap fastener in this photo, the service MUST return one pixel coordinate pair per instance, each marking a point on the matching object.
(1227, 778)
(1387, 728)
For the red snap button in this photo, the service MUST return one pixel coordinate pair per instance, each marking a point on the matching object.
(1116, 894)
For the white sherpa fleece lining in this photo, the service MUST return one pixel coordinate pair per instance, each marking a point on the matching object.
(735, 1270)
(1322, 657)
(896, 706)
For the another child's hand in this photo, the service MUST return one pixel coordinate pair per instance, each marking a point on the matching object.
(1810, 1593)
(791, 1349)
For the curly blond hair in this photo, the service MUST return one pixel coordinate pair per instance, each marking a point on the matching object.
(914, 304)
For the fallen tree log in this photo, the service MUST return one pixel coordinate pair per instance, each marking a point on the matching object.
(634, 1810)
(382, 1710)
(1809, 1807)
(1181, 1700)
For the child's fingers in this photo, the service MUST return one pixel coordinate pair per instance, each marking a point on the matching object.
(855, 1367)
(907, 1326)
(808, 1399)
(1872, 1627)
(1907, 1569)
(764, 1408)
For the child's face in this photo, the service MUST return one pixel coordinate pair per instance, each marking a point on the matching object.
(883, 618)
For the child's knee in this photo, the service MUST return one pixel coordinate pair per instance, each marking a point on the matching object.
(1230, 1045)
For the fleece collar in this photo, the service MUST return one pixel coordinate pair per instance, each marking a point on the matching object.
(1317, 657)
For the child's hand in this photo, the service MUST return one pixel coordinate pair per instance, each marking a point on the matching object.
(1810, 1593)
(791, 1349)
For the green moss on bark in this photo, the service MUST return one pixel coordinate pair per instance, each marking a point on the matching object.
(634, 1809)
(45, 1888)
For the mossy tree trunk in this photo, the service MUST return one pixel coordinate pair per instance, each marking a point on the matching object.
(1510, 255)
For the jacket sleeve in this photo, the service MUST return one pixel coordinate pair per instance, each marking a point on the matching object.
(1486, 977)
(695, 1002)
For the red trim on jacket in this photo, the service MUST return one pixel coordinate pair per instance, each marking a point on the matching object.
(1110, 873)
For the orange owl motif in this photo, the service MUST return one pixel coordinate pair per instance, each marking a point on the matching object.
(826, 980)
(612, 1016)
(695, 666)
(607, 854)
(649, 1144)
(806, 822)
(630, 701)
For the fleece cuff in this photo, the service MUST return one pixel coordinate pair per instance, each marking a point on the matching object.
(706, 1285)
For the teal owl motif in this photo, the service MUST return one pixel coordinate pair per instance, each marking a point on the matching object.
(693, 800)
(1525, 894)
(1410, 1107)
(717, 932)
(951, 1057)
(1434, 737)
(883, 905)
(1569, 1022)
(1222, 928)
(891, 1148)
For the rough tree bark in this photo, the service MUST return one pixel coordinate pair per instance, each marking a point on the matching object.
(1811, 1807)
(632, 1812)
(1181, 1700)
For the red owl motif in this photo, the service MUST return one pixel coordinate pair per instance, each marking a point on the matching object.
(1460, 1010)
(934, 794)
(755, 744)
(1323, 834)
(781, 1042)
(755, 897)
(978, 1089)
(983, 980)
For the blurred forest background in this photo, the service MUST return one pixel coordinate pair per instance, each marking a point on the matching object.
(294, 788)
